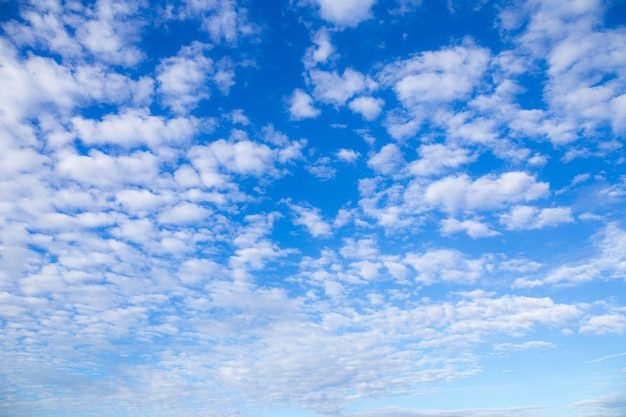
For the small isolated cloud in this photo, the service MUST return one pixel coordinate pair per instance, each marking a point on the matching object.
(322, 50)
(238, 116)
(388, 160)
(330, 87)
(322, 169)
(311, 219)
(347, 155)
(345, 13)
(301, 106)
(368, 107)
(527, 217)
(473, 228)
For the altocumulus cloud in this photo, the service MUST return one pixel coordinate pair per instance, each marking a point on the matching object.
(317, 208)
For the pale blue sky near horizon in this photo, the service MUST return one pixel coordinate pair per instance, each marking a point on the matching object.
(315, 208)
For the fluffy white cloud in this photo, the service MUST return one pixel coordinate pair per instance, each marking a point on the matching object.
(473, 228)
(311, 219)
(225, 21)
(143, 254)
(456, 193)
(217, 160)
(103, 170)
(528, 217)
(134, 127)
(368, 107)
(106, 29)
(347, 155)
(322, 50)
(437, 76)
(108, 36)
(388, 160)
(345, 13)
(301, 106)
(183, 78)
(330, 87)
(436, 158)
(184, 213)
(580, 101)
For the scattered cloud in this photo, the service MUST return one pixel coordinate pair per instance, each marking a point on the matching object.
(368, 107)
(301, 106)
(347, 13)
(473, 228)
(527, 217)
(248, 208)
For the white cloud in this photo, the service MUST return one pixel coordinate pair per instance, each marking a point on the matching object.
(455, 193)
(361, 248)
(436, 158)
(605, 324)
(225, 21)
(580, 100)
(107, 30)
(184, 213)
(224, 77)
(345, 13)
(135, 127)
(311, 219)
(445, 265)
(141, 253)
(528, 217)
(40, 82)
(322, 169)
(347, 155)
(183, 78)
(322, 50)
(301, 106)
(332, 88)
(238, 116)
(138, 201)
(473, 228)
(217, 160)
(437, 76)
(102, 170)
(108, 37)
(368, 107)
(388, 160)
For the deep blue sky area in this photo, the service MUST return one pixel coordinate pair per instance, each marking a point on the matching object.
(312, 208)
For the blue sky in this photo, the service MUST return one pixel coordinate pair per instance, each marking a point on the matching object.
(349, 208)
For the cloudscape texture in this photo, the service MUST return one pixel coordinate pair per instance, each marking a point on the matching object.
(313, 208)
